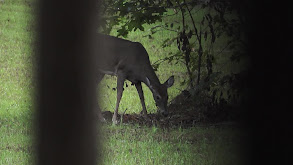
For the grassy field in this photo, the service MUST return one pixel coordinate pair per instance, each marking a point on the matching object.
(123, 144)
(132, 144)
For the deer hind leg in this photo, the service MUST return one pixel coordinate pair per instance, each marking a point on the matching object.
(141, 96)
(120, 83)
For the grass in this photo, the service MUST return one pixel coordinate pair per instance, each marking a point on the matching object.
(15, 83)
(122, 144)
(133, 144)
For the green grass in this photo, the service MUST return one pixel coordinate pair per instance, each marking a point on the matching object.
(122, 144)
(15, 83)
(132, 144)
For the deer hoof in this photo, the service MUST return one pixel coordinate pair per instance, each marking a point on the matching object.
(114, 120)
(143, 113)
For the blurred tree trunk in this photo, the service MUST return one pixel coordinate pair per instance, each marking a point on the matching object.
(66, 101)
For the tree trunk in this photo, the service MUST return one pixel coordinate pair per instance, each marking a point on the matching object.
(66, 132)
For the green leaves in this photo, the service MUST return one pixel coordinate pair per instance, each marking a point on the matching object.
(132, 14)
(122, 31)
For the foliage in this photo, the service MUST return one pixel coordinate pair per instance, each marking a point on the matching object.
(130, 14)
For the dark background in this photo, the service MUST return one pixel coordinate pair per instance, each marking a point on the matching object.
(268, 118)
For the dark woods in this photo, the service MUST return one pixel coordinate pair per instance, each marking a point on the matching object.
(269, 32)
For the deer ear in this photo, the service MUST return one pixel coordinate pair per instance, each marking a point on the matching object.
(169, 82)
(148, 83)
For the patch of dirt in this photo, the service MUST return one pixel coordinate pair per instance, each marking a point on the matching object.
(183, 112)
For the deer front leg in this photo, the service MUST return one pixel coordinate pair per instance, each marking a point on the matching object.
(120, 82)
(141, 96)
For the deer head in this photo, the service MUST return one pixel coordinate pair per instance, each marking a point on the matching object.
(160, 94)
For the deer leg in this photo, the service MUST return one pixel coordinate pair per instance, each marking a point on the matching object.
(120, 83)
(141, 96)
(99, 112)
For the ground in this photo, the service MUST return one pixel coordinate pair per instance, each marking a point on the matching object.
(183, 112)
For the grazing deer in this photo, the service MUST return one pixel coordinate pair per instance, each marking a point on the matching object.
(129, 60)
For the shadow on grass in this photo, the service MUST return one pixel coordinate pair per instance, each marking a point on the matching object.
(183, 113)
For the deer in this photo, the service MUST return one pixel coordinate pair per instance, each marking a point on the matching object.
(129, 60)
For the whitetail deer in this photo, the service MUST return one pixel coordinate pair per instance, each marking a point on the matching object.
(129, 60)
